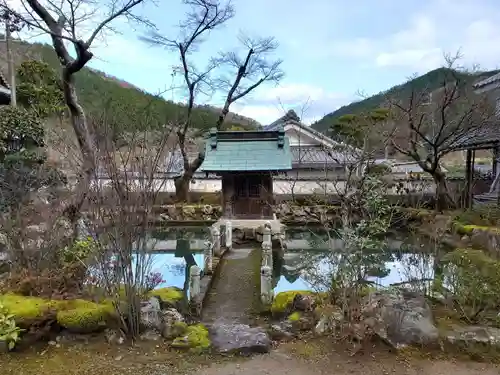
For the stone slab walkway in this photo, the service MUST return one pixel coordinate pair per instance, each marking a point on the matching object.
(233, 302)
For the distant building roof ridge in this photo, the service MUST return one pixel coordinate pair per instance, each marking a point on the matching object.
(486, 81)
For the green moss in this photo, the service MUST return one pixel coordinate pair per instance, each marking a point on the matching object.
(366, 290)
(169, 294)
(295, 316)
(26, 308)
(180, 328)
(84, 316)
(195, 339)
(468, 229)
(284, 299)
(79, 315)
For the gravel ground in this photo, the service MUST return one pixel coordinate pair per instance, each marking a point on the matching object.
(278, 363)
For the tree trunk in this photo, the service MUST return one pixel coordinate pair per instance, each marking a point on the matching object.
(443, 198)
(10, 64)
(86, 143)
(182, 187)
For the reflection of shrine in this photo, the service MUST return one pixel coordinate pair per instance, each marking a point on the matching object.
(292, 265)
(183, 250)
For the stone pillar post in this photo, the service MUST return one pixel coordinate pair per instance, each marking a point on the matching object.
(266, 286)
(229, 235)
(194, 283)
(267, 255)
(266, 238)
(208, 257)
(216, 241)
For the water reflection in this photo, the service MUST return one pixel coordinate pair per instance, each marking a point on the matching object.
(174, 251)
(313, 256)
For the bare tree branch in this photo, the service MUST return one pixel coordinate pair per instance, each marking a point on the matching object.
(430, 122)
(252, 70)
(63, 21)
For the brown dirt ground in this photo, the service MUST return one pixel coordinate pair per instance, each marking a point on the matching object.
(314, 357)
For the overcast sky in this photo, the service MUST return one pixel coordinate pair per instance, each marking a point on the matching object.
(332, 49)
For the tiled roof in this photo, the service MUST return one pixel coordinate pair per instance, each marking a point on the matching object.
(485, 136)
(247, 151)
(316, 157)
(487, 81)
(290, 116)
(293, 119)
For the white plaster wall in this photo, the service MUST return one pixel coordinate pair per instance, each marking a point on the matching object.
(298, 139)
(280, 186)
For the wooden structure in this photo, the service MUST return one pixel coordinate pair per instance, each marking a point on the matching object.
(246, 162)
(484, 138)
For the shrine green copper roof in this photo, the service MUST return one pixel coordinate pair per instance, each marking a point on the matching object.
(247, 151)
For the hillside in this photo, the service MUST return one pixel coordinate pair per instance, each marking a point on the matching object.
(429, 81)
(126, 104)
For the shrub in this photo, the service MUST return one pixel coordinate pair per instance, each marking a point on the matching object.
(153, 279)
(65, 281)
(63, 277)
(9, 331)
(79, 251)
(473, 278)
(484, 215)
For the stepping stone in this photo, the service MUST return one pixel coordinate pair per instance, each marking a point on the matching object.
(234, 338)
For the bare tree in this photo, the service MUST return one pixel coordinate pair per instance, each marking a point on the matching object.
(251, 71)
(120, 219)
(434, 122)
(66, 22)
(12, 24)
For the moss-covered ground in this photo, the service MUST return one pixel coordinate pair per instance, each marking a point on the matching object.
(305, 357)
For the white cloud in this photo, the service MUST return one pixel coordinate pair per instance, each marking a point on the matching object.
(112, 45)
(439, 27)
(310, 102)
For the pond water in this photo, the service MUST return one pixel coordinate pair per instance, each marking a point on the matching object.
(308, 265)
(176, 249)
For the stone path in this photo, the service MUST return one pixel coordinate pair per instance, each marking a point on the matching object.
(232, 303)
(281, 364)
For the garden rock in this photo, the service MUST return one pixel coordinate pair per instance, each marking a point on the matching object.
(150, 314)
(281, 331)
(399, 317)
(114, 337)
(172, 323)
(474, 335)
(301, 322)
(303, 302)
(239, 339)
(328, 319)
(486, 239)
(150, 335)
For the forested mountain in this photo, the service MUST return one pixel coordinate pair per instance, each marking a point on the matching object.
(126, 104)
(429, 81)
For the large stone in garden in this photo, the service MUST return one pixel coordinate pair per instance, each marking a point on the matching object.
(399, 317)
(238, 338)
(151, 314)
(172, 323)
(169, 322)
(469, 335)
